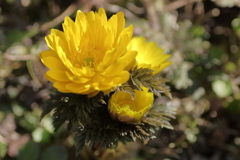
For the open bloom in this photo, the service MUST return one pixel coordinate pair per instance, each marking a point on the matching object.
(124, 108)
(90, 55)
(149, 55)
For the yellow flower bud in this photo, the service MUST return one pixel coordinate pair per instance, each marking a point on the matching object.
(124, 108)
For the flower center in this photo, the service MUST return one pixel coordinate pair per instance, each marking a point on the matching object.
(127, 105)
(88, 62)
(87, 55)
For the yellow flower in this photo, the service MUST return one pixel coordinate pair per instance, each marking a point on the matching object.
(149, 55)
(90, 55)
(124, 108)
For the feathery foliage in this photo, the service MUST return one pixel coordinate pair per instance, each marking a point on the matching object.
(95, 127)
(144, 77)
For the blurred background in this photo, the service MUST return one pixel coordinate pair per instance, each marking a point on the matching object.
(203, 37)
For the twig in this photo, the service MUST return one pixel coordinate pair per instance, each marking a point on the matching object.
(178, 4)
(116, 8)
(135, 9)
(59, 18)
(152, 15)
(32, 74)
(19, 57)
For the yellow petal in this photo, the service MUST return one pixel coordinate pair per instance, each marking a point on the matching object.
(102, 87)
(49, 78)
(75, 87)
(101, 12)
(57, 75)
(162, 66)
(48, 53)
(122, 76)
(149, 55)
(53, 63)
(51, 39)
(77, 79)
(60, 86)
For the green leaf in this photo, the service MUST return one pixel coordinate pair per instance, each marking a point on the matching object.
(236, 26)
(197, 31)
(30, 151)
(47, 124)
(222, 88)
(17, 35)
(216, 52)
(233, 107)
(181, 78)
(17, 109)
(41, 135)
(230, 67)
(3, 150)
(55, 152)
(30, 121)
(198, 93)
